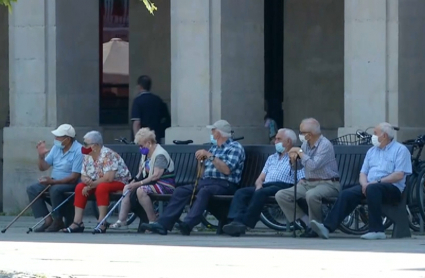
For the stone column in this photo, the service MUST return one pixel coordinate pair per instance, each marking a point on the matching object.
(384, 42)
(217, 68)
(4, 85)
(54, 79)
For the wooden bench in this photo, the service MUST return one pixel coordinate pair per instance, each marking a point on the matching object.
(349, 158)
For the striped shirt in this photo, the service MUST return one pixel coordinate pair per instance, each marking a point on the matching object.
(319, 161)
(379, 163)
(278, 169)
(233, 155)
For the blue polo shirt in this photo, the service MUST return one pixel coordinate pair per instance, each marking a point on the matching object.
(64, 164)
(379, 163)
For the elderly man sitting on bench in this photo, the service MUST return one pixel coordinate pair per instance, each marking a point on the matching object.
(277, 174)
(382, 180)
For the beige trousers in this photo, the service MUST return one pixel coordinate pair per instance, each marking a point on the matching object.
(313, 192)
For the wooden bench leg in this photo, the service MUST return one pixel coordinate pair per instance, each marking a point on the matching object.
(398, 215)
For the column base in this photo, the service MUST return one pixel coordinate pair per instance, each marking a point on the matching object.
(201, 135)
(20, 162)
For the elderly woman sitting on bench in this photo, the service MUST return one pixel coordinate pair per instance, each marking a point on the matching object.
(103, 172)
(156, 176)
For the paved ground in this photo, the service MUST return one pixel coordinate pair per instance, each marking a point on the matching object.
(259, 254)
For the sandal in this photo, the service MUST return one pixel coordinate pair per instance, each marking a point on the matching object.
(119, 225)
(78, 229)
(99, 230)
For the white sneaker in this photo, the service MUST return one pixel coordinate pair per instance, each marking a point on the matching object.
(320, 229)
(374, 235)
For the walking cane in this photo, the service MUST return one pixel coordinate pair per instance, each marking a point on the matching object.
(54, 210)
(97, 228)
(26, 208)
(198, 176)
(295, 196)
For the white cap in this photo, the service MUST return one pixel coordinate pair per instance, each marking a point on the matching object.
(64, 130)
(221, 125)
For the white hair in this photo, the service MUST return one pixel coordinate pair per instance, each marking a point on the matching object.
(388, 129)
(94, 137)
(290, 134)
(224, 134)
(313, 125)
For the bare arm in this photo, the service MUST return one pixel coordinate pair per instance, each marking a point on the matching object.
(393, 178)
(363, 179)
(260, 180)
(72, 179)
(221, 166)
(157, 174)
(107, 177)
(42, 164)
(136, 126)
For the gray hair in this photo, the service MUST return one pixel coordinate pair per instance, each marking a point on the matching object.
(94, 137)
(388, 129)
(313, 125)
(224, 134)
(290, 134)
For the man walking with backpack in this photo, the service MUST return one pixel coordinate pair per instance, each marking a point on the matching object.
(149, 110)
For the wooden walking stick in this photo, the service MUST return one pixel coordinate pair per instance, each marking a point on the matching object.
(26, 208)
(198, 176)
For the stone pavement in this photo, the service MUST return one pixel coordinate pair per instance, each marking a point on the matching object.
(262, 253)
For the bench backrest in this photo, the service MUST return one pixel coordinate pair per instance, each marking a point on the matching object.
(349, 158)
(255, 159)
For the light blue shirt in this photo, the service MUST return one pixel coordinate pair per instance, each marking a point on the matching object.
(278, 169)
(379, 163)
(64, 164)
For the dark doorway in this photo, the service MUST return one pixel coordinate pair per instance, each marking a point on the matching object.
(273, 59)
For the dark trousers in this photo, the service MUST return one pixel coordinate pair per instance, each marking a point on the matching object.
(248, 203)
(376, 195)
(181, 197)
(56, 192)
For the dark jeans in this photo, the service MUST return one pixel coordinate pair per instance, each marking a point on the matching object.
(39, 208)
(248, 203)
(376, 195)
(181, 197)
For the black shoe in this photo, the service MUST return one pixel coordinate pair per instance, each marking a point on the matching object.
(309, 233)
(154, 227)
(184, 229)
(234, 229)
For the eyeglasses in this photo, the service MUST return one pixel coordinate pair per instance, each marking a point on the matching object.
(87, 144)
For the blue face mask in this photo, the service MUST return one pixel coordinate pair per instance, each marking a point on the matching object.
(213, 141)
(58, 144)
(279, 147)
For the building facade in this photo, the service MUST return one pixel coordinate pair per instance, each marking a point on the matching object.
(350, 64)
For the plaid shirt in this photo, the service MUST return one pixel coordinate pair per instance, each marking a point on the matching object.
(233, 155)
(278, 169)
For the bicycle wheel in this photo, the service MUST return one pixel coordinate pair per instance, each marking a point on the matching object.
(273, 217)
(357, 222)
(209, 220)
(130, 218)
(420, 193)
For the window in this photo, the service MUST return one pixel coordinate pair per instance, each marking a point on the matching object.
(114, 62)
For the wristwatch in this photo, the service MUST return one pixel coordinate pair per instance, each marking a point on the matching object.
(378, 181)
(211, 158)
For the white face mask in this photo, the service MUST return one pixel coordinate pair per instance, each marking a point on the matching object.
(302, 138)
(375, 141)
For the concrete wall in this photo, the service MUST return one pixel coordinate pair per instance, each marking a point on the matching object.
(53, 81)
(4, 85)
(217, 68)
(150, 47)
(314, 63)
(411, 68)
